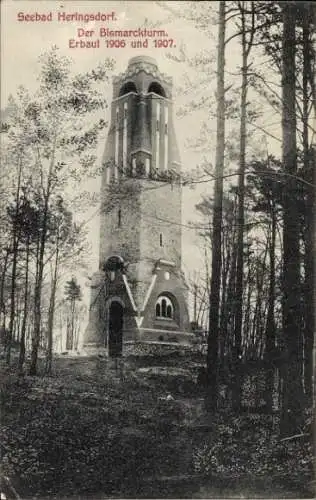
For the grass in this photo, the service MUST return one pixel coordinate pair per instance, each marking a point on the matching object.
(90, 431)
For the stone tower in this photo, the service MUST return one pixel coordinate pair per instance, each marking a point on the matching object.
(139, 292)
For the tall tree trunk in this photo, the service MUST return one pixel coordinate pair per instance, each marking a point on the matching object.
(2, 287)
(213, 336)
(226, 258)
(270, 323)
(228, 322)
(18, 317)
(73, 305)
(51, 312)
(37, 301)
(36, 337)
(309, 172)
(15, 249)
(195, 290)
(237, 354)
(293, 391)
(248, 307)
(227, 305)
(25, 309)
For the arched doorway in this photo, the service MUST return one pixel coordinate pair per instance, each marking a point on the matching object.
(115, 329)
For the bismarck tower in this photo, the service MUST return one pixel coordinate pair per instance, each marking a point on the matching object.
(139, 293)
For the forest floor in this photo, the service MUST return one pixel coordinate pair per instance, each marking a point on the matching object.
(92, 431)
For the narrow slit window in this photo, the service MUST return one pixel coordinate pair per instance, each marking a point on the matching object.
(119, 218)
(157, 125)
(160, 239)
(166, 128)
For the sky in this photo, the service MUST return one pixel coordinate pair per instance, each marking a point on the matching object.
(23, 41)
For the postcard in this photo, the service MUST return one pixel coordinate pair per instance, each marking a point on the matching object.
(157, 265)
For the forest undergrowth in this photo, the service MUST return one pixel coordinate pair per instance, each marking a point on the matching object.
(93, 431)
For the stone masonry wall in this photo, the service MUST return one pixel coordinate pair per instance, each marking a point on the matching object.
(123, 239)
(160, 204)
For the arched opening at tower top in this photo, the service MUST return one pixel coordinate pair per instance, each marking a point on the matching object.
(127, 88)
(157, 89)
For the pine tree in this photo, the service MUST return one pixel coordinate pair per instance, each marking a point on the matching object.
(72, 294)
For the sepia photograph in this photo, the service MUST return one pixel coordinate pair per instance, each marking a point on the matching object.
(157, 249)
